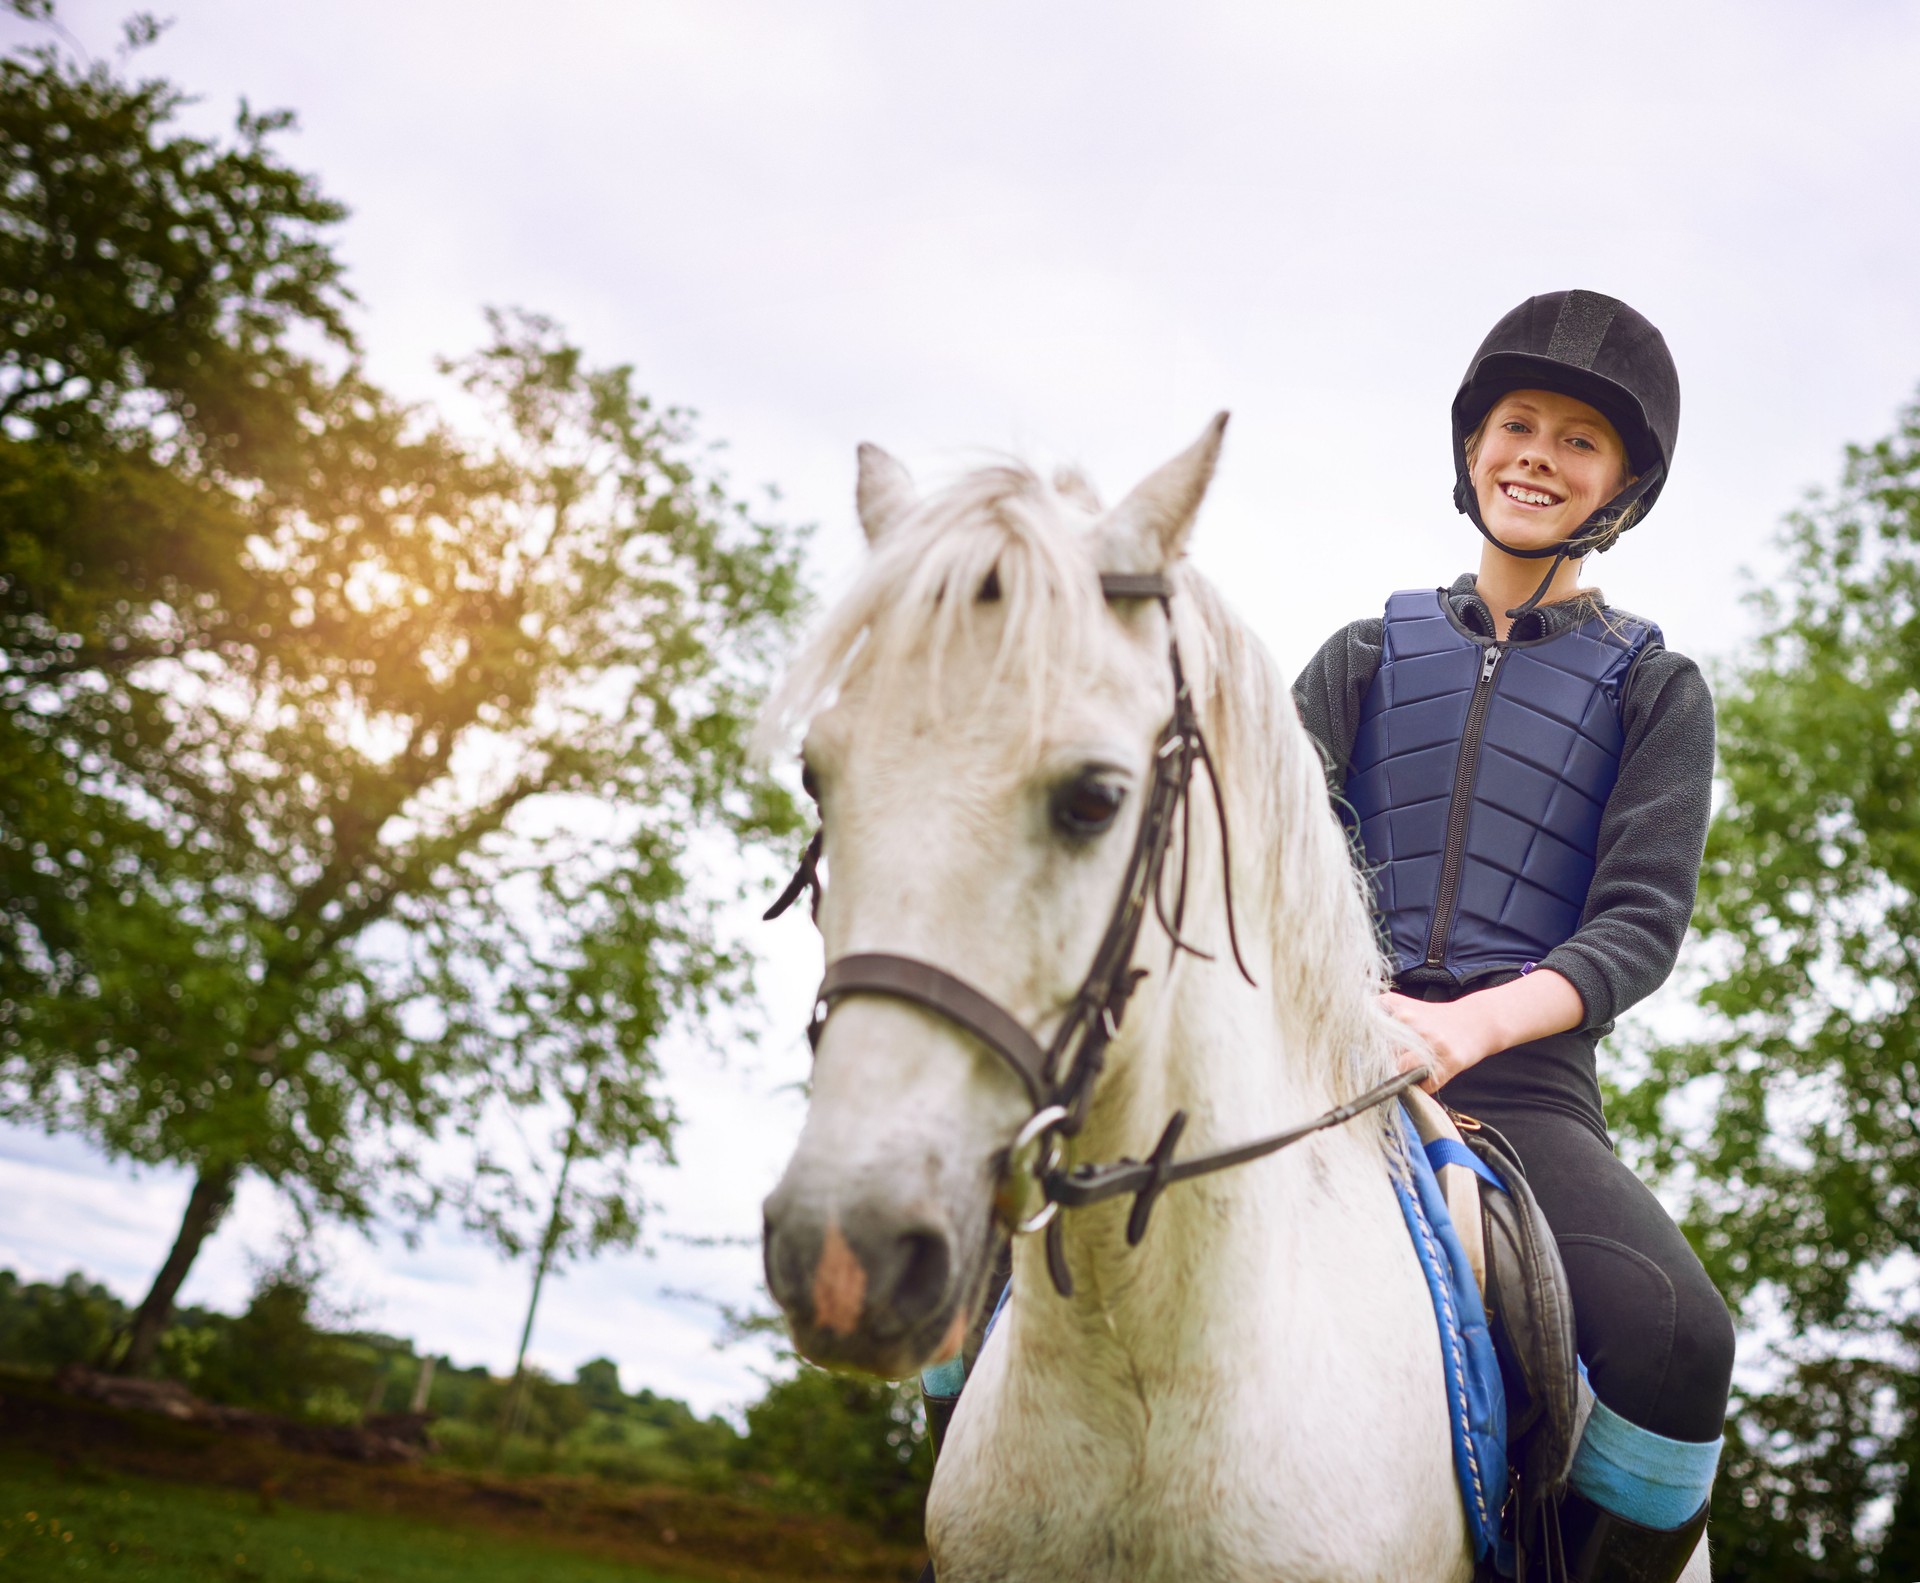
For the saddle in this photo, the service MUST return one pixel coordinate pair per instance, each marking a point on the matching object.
(1503, 1251)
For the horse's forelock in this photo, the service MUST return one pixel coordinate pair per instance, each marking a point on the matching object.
(999, 545)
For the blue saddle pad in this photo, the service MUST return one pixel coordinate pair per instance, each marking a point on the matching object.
(1476, 1401)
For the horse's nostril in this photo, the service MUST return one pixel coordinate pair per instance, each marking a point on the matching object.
(787, 1263)
(926, 1261)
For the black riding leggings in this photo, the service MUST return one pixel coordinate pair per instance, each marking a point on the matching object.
(1655, 1333)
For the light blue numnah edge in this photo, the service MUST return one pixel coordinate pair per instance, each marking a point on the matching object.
(945, 1379)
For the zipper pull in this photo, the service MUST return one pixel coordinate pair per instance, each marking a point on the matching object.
(1486, 665)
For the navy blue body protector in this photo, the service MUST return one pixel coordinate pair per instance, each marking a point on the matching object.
(1479, 773)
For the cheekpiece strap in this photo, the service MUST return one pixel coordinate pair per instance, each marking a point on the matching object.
(805, 878)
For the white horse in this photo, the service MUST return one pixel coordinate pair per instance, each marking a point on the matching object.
(1256, 1391)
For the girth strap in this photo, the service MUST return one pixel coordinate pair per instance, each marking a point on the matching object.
(923, 984)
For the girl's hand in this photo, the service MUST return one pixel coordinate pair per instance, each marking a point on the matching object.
(1457, 1033)
(1464, 1032)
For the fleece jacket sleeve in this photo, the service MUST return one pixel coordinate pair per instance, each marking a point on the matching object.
(1330, 690)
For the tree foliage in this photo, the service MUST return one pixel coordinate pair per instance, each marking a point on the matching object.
(46, 1326)
(154, 287)
(1803, 1186)
(349, 762)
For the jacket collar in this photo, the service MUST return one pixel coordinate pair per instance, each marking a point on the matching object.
(1543, 621)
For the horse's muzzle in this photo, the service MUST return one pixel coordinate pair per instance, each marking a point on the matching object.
(864, 1288)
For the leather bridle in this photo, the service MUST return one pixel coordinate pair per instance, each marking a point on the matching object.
(1059, 1078)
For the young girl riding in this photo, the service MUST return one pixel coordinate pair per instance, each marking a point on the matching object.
(1529, 774)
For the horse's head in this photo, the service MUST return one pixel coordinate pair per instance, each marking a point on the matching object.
(981, 727)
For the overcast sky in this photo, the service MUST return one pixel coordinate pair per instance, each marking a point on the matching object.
(1074, 231)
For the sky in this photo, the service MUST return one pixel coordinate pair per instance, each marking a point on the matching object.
(1072, 231)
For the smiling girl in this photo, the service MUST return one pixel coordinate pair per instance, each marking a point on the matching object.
(1528, 772)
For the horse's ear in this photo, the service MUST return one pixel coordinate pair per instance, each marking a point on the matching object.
(1147, 532)
(885, 493)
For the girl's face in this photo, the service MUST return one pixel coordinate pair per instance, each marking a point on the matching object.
(1546, 463)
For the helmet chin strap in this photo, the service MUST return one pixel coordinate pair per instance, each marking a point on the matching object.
(1564, 551)
(1574, 547)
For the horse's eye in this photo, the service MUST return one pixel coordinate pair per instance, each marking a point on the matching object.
(807, 783)
(1087, 804)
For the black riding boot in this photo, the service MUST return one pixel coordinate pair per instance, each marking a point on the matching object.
(1603, 1548)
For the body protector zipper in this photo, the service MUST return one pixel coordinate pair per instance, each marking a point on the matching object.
(1460, 807)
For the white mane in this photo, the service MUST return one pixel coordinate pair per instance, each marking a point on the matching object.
(920, 593)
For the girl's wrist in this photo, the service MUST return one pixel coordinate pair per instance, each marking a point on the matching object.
(1490, 1034)
(1496, 1027)
(1531, 1007)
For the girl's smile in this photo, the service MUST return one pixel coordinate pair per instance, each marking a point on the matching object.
(1543, 464)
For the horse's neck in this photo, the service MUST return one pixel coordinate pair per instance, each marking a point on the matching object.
(1217, 1245)
(1227, 1256)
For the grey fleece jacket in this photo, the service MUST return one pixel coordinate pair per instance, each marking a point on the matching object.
(1652, 832)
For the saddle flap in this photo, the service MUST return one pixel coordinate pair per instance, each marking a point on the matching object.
(1459, 1182)
(1532, 1311)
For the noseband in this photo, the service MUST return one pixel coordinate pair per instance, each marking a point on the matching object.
(1059, 1077)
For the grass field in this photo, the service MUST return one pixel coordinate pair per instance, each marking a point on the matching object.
(89, 1491)
(54, 1525)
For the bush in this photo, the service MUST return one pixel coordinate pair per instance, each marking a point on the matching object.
(816, 1442)
(185, 1347)
(47, 1326)
(274, 1357)
(835, 1443)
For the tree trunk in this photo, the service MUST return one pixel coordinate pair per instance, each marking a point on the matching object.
(556, 1227)
(211, 1195)
(422, 1386)
(1900, 1547)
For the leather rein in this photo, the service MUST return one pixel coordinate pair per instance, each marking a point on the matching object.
(1059, 1078)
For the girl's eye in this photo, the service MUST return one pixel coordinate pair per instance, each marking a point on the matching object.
(1087, 805)
(1583, 442)
(1514, 426)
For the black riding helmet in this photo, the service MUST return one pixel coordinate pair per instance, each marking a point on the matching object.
(1595, 349)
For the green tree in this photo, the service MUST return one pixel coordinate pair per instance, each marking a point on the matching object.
(153, 286)
(1803, 1184)
(598, 1382)
(591, 1195)
(348, 764)
(545, 1410)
